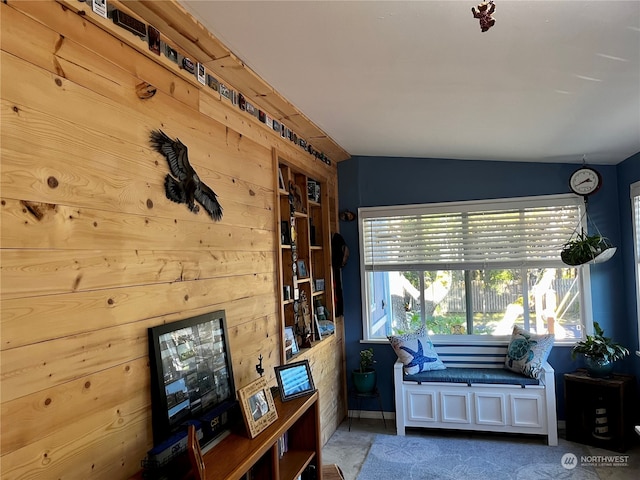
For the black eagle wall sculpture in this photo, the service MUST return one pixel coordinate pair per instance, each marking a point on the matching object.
(186, 187)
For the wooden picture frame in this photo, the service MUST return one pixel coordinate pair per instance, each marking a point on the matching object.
(258, 409)
(294, 380)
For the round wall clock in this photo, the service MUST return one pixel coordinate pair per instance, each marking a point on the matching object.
(585, 181)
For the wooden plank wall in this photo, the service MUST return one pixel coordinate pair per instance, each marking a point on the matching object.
(93, 254)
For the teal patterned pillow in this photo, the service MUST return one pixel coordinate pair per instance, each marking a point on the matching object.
(415, 350)
(527, 352)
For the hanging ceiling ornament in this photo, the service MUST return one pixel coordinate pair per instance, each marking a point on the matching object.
(484, 12)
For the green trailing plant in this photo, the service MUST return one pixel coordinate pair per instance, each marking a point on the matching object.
(366, 360)
(599, 347)
(584, 248)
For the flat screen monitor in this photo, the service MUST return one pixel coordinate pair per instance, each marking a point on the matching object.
(191, 377)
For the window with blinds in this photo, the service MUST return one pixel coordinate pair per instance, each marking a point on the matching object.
(474, 268)
(458, 236)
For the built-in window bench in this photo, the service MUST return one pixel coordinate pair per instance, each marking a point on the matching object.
(476, 392)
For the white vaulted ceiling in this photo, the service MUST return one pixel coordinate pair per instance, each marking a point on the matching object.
(550, 82)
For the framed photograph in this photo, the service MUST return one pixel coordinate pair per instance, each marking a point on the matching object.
(302, 269)
(294, 380)
(153, 39)
(290, 344)
(257, 406)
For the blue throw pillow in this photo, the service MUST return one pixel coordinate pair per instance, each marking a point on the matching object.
(415, 350)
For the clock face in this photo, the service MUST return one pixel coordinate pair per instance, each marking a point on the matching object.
(585, 181)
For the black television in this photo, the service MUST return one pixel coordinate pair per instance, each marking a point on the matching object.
(191, 378)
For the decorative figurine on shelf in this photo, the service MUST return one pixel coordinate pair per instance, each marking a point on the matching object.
(303, 322)
(485, 10)
(259, 368)
(297, 198)
(320, 310)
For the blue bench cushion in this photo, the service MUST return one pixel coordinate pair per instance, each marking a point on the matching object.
(473, 375)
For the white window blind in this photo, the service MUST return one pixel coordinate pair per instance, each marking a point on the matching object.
(529, 231)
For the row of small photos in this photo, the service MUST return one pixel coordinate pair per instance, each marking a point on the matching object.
(159, 47)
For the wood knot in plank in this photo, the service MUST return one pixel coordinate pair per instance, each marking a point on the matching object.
(52, 182)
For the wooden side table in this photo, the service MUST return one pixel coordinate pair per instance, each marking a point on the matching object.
(598, 411)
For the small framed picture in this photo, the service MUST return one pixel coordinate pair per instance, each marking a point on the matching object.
(153, 39)
(258, 409)
(302, 269)
(201, 74)
(294, 380)
(290, 344)
(100, 7)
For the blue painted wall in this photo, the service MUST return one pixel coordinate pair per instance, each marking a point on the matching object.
(378, 181)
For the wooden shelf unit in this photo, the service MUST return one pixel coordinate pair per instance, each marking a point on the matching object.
(237, 457)
(309, 229)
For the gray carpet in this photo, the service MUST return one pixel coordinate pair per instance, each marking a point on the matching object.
(457, 458)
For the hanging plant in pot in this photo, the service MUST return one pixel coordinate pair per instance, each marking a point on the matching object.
(587, 249)
(364, 377)
(599, 352)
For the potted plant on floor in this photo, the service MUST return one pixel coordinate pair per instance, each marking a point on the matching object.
(364, 377)
(599, 352)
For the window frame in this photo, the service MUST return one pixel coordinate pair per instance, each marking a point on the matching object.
(634, 190)
(583, 270)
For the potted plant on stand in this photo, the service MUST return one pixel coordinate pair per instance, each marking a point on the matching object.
(599, 352)
(364, 378)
